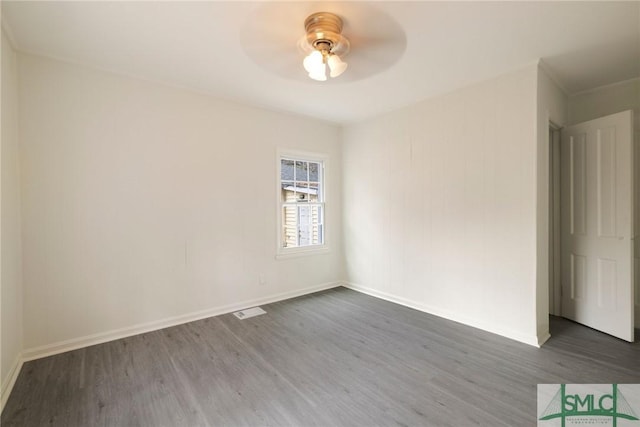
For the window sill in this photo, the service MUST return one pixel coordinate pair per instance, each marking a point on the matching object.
(300, 252)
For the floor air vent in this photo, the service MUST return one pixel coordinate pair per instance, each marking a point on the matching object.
(249, 312)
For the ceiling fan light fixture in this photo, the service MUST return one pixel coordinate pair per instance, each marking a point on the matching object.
(324, 39)
(319, 75)
(313, 61)
(336, 65)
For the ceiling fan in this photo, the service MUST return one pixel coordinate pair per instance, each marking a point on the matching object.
(303, 40)
(325, 43)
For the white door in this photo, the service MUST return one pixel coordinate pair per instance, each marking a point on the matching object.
(597, 224)
(304, 230)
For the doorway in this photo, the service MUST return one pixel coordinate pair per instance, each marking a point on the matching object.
(591, 271)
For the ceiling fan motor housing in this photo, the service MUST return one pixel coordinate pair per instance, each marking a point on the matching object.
(323, 30)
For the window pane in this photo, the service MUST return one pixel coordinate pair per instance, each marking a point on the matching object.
(288, 192)
(289, 227)
(302, 192)
(304, 225)
(286, 170)
(316, 225)
(302, 171)
(314, 174)
(313, 192)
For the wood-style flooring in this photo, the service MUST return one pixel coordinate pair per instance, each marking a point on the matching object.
(336, 357)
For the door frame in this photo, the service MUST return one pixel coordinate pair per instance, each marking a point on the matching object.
(555, 270)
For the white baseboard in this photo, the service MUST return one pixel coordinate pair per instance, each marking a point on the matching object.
(102, 337)
(10, 381)
(542, 338)
(485, 326)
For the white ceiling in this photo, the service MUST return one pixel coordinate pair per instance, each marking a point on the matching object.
(402, 52)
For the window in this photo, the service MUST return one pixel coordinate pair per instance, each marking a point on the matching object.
(301, 203)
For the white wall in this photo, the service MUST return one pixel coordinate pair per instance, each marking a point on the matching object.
(142, 202)
(440, 205)
(602, 102)
(552, 106)
(11, 266)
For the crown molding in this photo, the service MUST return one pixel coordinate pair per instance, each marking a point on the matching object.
(607, 86)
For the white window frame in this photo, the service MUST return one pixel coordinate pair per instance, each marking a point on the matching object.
(323, 159)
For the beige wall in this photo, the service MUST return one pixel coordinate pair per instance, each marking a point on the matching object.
(142, 202)
(440, 205)
(11, 266)
(602, 102)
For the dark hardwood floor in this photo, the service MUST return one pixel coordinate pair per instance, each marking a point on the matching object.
(336, 357)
